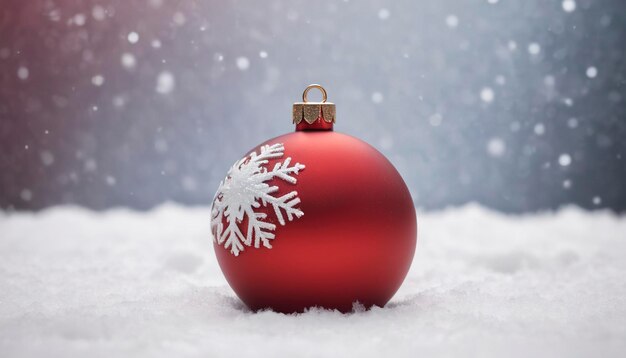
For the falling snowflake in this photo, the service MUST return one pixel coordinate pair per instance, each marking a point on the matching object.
(245, 189)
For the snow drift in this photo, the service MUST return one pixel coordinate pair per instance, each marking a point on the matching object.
(121, 283)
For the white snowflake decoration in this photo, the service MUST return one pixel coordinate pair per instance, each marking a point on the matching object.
(245, 189)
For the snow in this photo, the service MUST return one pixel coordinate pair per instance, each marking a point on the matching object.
(452, 21)
(487, 94)
(22, 73)
(128, 60)
(496, 147)
(179, 18)
(242, 63)
(567, 184)
(189, 183)
(98, 13)
(591, 72)
(512, 45)
(165, 82)
(565, 159)
(435, 119)
(539, 129)
(133, 37)
(97, 80)
(569, 5)
(79, 19)
(534, 48)
(383, 14)
(26, 194)
(55, 15)
(377, 97)
(110, 180)
(121, 283)
(47, 158)
(118, 101)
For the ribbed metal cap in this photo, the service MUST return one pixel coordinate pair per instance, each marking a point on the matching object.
(312, 112)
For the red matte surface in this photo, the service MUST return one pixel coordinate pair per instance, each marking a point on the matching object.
(355, 241)
(319, 124)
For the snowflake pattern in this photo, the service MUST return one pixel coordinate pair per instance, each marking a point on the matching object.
(245, 189)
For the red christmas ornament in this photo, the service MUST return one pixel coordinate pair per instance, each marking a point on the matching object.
(314, 218)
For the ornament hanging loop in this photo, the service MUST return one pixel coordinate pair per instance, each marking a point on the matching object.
(310, 87)
(313, 115)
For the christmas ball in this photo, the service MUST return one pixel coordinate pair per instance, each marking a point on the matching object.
(314, 218)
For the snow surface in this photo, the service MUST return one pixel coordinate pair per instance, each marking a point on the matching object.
(121, 283)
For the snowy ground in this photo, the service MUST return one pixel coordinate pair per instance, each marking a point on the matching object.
(122, 283)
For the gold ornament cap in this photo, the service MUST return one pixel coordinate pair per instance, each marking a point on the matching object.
(316, 115)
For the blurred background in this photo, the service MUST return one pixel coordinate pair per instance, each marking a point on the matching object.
(517, 105)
